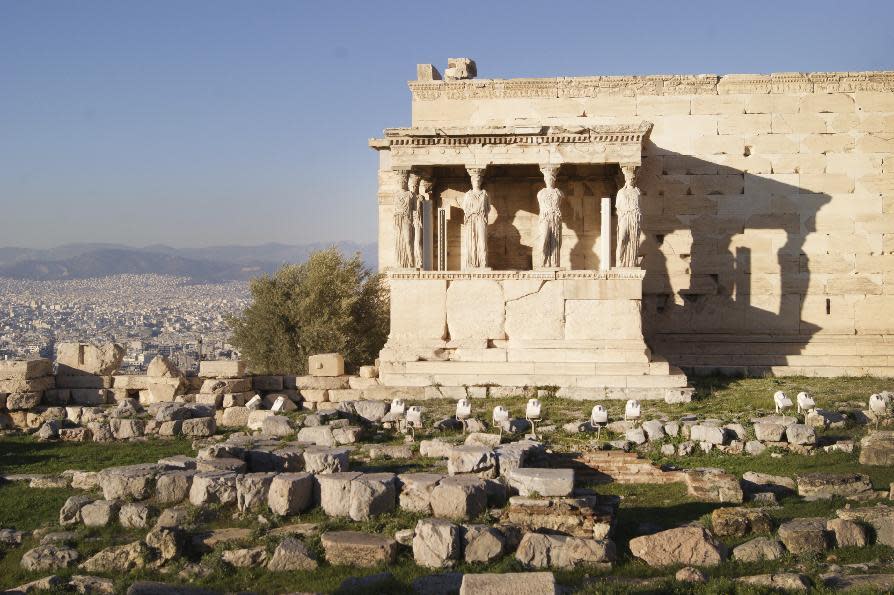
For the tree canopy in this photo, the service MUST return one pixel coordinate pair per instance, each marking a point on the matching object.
(328, 304)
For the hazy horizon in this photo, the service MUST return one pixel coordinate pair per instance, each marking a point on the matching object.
(233, 123)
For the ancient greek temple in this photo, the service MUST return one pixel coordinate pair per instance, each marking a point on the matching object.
(601, 233)
(512, 255)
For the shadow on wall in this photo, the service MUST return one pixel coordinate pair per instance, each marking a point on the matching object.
(723, 251)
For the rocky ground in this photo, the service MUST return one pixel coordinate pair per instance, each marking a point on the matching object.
(797, 514)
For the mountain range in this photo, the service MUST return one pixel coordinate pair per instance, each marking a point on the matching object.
(212, 263)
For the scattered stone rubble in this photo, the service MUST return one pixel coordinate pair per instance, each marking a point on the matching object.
(540, 516)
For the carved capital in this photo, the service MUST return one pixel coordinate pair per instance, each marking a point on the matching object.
(550, 171)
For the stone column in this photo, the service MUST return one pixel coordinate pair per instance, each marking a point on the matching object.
(605, 235)
(629, 219)
(476, 207)
(550, 220)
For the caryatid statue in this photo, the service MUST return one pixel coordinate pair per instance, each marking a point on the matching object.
(476, 207)
(629, 219)
(415, 184)
(550, 201)
(403, 226)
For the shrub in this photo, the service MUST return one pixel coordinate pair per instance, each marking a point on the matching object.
(328, 304)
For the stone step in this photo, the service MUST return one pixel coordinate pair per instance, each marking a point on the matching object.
(450, 376)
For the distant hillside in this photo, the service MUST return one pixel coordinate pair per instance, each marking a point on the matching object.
(216, 263)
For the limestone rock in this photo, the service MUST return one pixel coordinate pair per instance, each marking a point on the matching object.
(854, 486)
(804, 535)
(538, 550)
(256, 419)
(290, 555)
(684, 545)
(517, 583)
(880, 517)
(769, 432)
(173, 486)
(335, 492)
(636, 435)
(162, 367)
(134, 515)
(800, 434)
(246, 557)
(785, 581)
(290, 493)
(213, 487)
(199, 427)
(94, 585)
(252, 490)
(48, 557)
(459, 498)
(654, 430)
(277, 426)
(319, 435)
(754, 447)
(482, 543)
(353, 548)
(166, 541)
(738, 522)
(435, 448)
(236, 417)
(707, 433)
(482, 439)
(688, 574)
(713, 485)
(472, 459)
(326, 364)
(847, 533)
(99, 513)
(84, 358)
(530, 481)
(372, 494)
(759, 549)
(416, 489)
(325, 460)
(118, 558)
(877, 448)
(436, 543)
(130, 482)
(763, 482)
(70, 513)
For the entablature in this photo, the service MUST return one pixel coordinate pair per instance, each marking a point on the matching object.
(504, 145)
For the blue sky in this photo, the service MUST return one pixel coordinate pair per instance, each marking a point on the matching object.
(197, 123)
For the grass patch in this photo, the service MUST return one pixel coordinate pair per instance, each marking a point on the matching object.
(23, 454)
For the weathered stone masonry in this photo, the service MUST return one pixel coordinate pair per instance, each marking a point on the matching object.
(767, 206)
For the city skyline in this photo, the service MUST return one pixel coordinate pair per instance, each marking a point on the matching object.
(204, 123)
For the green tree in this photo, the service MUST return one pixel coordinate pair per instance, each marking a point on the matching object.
(328, 304)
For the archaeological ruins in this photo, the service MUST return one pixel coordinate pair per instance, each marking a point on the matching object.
(600, 233)
(566, 258)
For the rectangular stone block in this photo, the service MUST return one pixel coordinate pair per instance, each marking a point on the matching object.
(826, 103)
(659, 105)
(744, 124)
(418, 309)
(25, 369)
(771, 104)
(221, 369)
(874, 101)
(326, 364)
(718, 104)
(798, 124)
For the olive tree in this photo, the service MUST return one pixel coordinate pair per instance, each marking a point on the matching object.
(328, 304)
